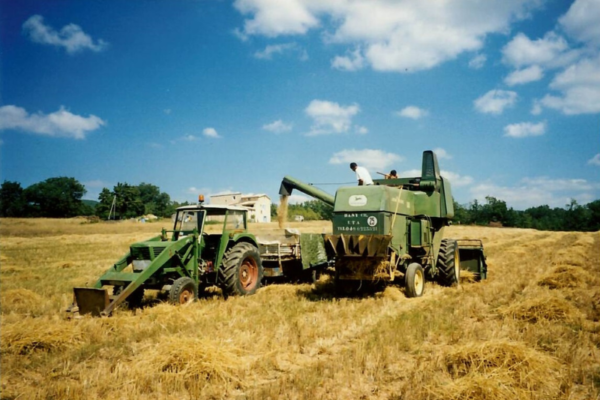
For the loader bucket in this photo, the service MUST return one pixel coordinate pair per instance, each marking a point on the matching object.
(91, 301)
(472, 257)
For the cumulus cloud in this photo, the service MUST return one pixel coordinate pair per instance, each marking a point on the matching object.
(401, 36)
(478, 61)
(368, 158)
(71, 36)
(361, 130)
(579, 87)
(330, 117)
(495, 101)
(525, 129)
(210, 132)
(352, 62)
(61, 123)
(277, 127)
(594, 160)
(273, 49)
(442, 154)
(412, 112)
(526, 75)
(552, 50)
(581, 21)
(532, 192)
(457, 180)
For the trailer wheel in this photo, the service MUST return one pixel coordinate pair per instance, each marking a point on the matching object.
(241, 272)
(134, 300)
(414, 280)
(448, 264)
(183, 291)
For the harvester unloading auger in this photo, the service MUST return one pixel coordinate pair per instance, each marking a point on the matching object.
(394, 229)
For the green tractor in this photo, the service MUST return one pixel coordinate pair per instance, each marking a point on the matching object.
(394, 229)
(181, 262)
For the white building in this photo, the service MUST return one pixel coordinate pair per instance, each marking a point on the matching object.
(258, 205)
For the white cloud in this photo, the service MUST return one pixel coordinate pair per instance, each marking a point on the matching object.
(353, 62)
(579, 85)
(277, 127)
(401, 36)
(581, 21)
(495, 101)
(532, 192)
(210, 132)
(442, 154)
(368, 158)
(361, 130)
(60, 123)
(456, 180)
(412, 112)
(525, 129)
(478, 61)
(594, 160)
(270, 50)
(526, 75)
(190, 138)
(329, 117)
(536, 108)
(274, 17)
(551, 50)
(71, 36)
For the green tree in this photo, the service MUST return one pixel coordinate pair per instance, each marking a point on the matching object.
(128, 202)
(12, 200)
(56, 197)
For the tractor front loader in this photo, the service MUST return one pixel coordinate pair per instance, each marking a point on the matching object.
(181, 262)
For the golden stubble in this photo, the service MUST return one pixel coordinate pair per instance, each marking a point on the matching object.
(530, 331)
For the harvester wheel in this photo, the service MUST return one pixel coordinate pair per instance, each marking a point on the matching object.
(183, 291)
(414, 280)
(134, 300)
(241, 272)
(448, 264)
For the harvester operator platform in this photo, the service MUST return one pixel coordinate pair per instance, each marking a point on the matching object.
(362, 175)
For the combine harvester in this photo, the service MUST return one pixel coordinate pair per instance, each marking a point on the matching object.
(394, 230)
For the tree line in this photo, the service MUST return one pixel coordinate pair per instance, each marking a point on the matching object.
(573, 217)
(62, 198)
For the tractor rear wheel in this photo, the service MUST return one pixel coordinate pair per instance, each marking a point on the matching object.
(241, 272)
(448, 264)
(414, 280)
(183, 291)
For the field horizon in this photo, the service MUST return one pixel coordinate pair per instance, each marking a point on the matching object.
(530, 331)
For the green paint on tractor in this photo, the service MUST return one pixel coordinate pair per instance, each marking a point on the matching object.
(394, 229)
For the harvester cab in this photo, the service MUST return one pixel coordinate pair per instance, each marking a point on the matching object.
(394, 229)
(208, 245)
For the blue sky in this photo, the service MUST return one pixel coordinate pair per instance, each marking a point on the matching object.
(217, 96)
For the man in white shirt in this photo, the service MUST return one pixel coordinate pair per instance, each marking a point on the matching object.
(363, 176)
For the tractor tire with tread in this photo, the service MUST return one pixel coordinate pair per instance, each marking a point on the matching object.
(183, 291)
(241, 272)
(448, 264)
(414, 280)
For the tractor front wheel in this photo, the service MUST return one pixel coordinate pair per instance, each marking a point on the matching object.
(448, 264)
(241, 272)
(183, 291)
(414, 280)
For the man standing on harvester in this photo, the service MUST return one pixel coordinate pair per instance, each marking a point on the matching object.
(362, 175)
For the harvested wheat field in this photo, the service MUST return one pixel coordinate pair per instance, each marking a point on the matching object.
(531, 331)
